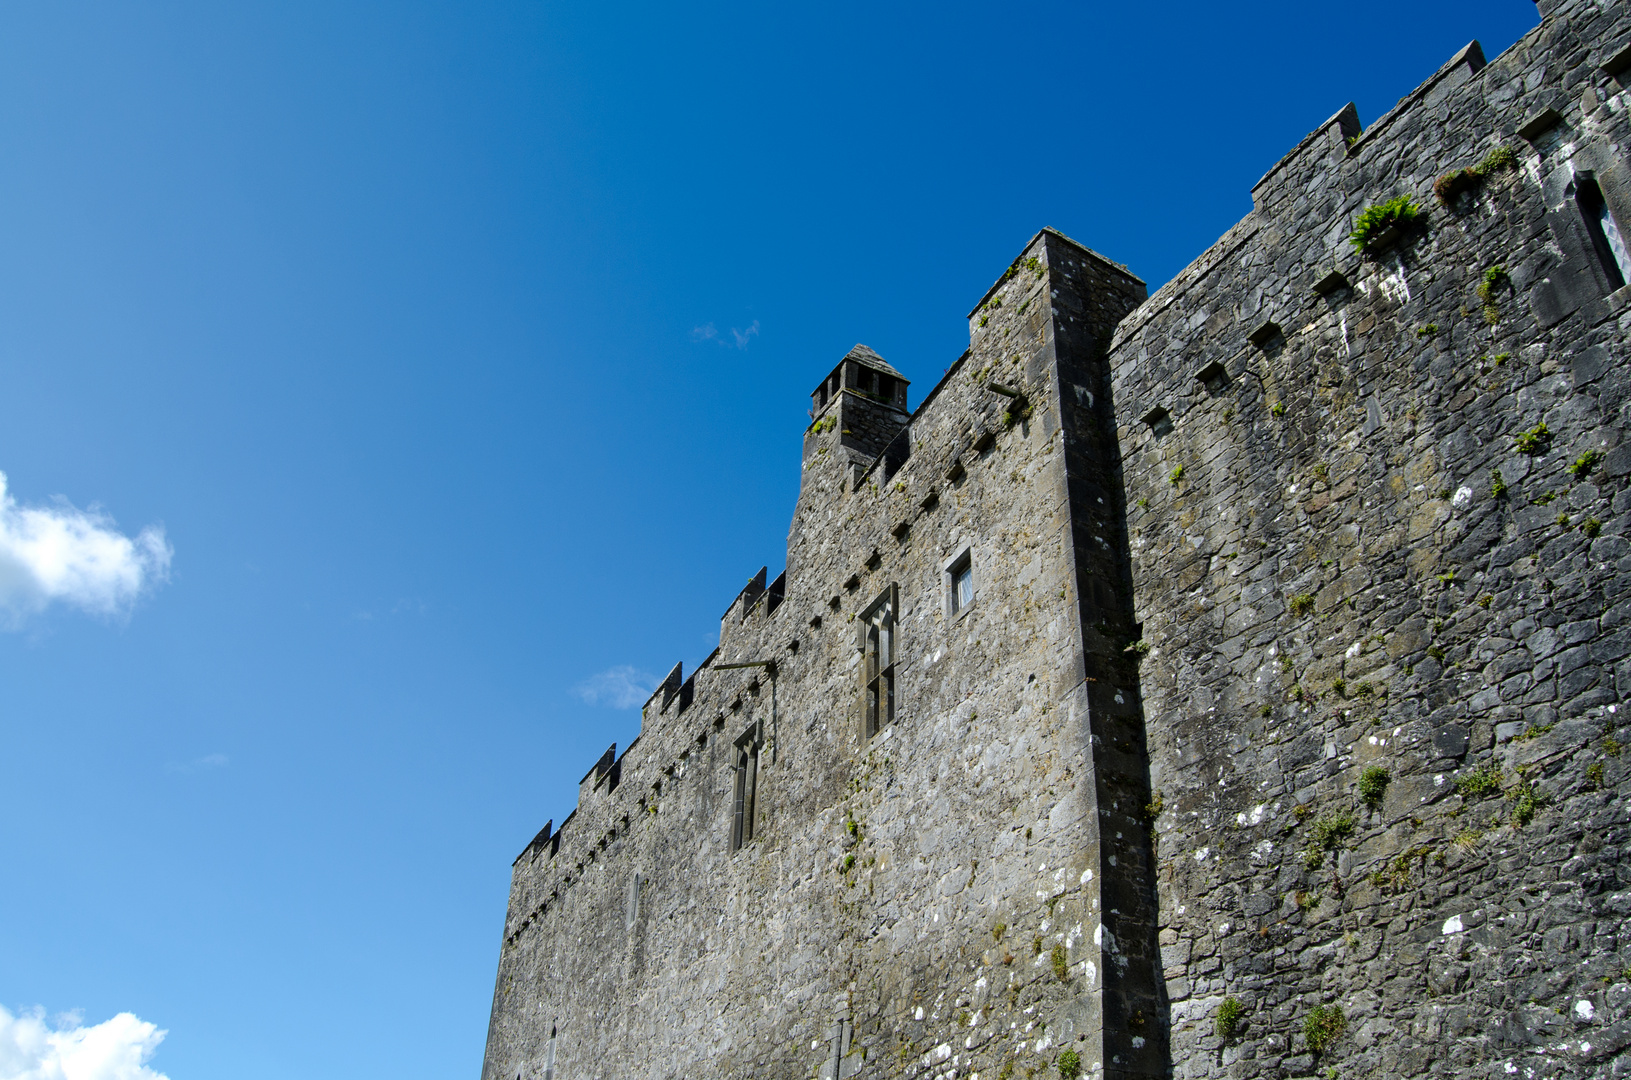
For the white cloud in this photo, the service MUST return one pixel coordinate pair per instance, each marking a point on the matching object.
(709, 332)
(202, 764)
(75, 556)
(116, 1049)
(621, 687)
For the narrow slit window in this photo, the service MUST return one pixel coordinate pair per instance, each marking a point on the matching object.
(1606, 237)
(743, 797)
(960, 583)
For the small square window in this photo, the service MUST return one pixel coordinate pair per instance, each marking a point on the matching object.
(1160, 422)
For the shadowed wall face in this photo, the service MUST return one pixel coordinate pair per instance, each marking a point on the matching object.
(1378, 557)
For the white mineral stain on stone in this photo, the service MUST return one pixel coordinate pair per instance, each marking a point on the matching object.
(1138, 1042)
(1452, 925)
(1356, 648)
(1200, 856)
(1104, 939)
(919, 1015)
(1585, 1010)
(1087, 875)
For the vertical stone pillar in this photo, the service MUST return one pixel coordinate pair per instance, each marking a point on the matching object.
(1061, 336)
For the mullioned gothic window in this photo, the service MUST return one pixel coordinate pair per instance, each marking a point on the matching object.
(744, 795)
(880, 648)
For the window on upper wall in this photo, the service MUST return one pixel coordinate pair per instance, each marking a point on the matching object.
(1606, 237)
(880, 649)
(960, 583)
(744, 790)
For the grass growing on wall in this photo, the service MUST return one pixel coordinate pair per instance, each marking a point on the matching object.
(1398, 212)
(1324, 1025)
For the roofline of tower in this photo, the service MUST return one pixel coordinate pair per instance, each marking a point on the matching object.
(880, 364)
(1051, 231)
(956, 366)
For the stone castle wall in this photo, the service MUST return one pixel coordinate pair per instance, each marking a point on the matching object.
(897, 886)
(1273, 481)
(1337, 581)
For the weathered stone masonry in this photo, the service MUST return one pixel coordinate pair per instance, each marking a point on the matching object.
(1293, 677)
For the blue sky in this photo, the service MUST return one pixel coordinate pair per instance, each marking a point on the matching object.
(454, 358)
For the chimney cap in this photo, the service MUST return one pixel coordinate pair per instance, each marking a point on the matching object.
(867, 358)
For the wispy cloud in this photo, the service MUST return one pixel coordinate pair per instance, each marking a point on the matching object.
(621, 687)
(78, 557)
(204, 764)
(404, 606)
(738, 337)
(116, 1049)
